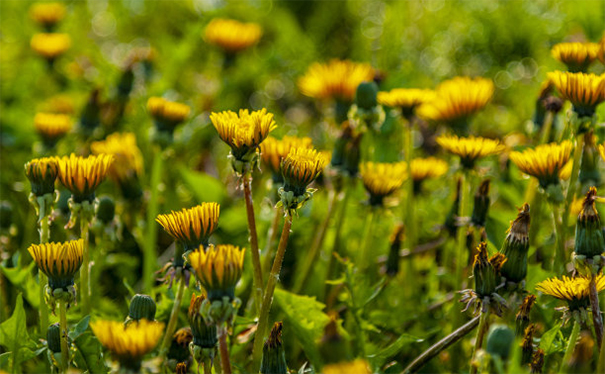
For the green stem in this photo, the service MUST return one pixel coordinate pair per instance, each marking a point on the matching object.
(365, 258)
(224, 350)
(571, 344)
(597, 318)
(63, 327)
(571, 189)
(85, 268)
(559, 257)
(149, 254)
(44, 237)
(483, 323)
(174, 316)
(546, 127)
(263, 318)
(461, 235)
(409, 188)
(256, 265)
(207, 365)
(271, 236)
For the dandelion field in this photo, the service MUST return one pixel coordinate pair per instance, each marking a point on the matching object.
(302, 186)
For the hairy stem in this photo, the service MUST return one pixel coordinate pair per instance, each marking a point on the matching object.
(483, 323)
(224, 350)
(571, 189)
(409, 187)
(271, 236)
(256, 265)
(63, 327)
(44, 237)
(151, 233)
(365, 259)
(85, 268)
(559, 257)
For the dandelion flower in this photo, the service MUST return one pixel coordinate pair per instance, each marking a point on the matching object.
(575, 291)
(167, 114)
(192, 227)
(405, 99)
(52, 127)
(336, 80)
(382, 179)
(231, 35)
(584, 91)
(42, 173)
(218, 269)
(426, 168)
(273, 151)
(359, 366)
(59, 261)
(470, 149)
(50, 45)
(576, 56)
(81, 176)
(47, 14)
(544, 162)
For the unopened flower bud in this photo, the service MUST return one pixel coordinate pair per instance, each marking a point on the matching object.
(274, 356)
(53, 337)
(522, 317)
(516, 246)
(142, 306)
(481, 205)
(499, 341)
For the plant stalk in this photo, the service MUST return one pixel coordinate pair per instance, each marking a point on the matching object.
(43, 279)
(365, 258)
(63, 326)
(461, 234)
(559, 257)
(271, 236)
(207, 365)
(573, 179)
(174, 316)
(571, 344)
(597, 318)
(409, 187)
(224, 350)
(149, 255)
(256, 265)
(483, 323)
(85, 268)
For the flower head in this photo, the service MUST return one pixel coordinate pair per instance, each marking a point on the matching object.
(218, 269)
(470, 149)
(456, 100)
(50, 45)
(584, 91)
(273, 151)
(141, 307)
(522, 316)
(575, 291)
(426, 168)
(193, 226)
(576, 56)
(405, 99)
(167, 114)
(81, 176)
(359, 366)
(243, 132)
(59, 261)
(300, 167)
(335, 80)
(382, 179)
(128, 343)
(51, 127)
(544, 162)
(47, 14)
(42, 173)
(589, 234)
(204, 334)
(231, 35)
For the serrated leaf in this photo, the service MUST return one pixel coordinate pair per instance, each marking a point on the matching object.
(205, 187)
(91, 353)
(14, 336)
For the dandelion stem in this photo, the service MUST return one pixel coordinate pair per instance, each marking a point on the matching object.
(571, 344)
(461, 238)
(224, 350)
(546, 127)
(149, 255)
(256, 265)
(85, 268)
(365, 259)
(263, 318)
(441, 345)
(597, 318)
(207, 365)
(174, 315)
(44, 237)
(272, 235)
(409, 186)
(559, 257)
(63, 326)
(573, 179)
(483, 323)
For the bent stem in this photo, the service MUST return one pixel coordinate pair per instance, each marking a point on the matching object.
(174, 316)
(63, 326)
(483, 323)
(256, 265)
(223, 350)
(44, 237)
(263, 318)
(85, 268)
(149, 255)
(441, 345)
(571, 344)
(559, 257)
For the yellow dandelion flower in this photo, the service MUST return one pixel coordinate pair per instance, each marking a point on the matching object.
(544, 162)
(456, 100)
(300, 167)
(192, 226)
(81, 176)
(576, 56)
(128, 343)
(359, 366)
(231, 35)
(601, 51)
(52, 127)
(60, 104)
(584, 91)
(47, 14)
(405, 99)
(573, 290)
(470, 149)
(243, 132)
(128, 160)
(50, 45)
(382, 179)
(59, 261)
(601, 148)
(335, 80)
(42, 173)
(218, 269)
(167, 114)
(273, 151)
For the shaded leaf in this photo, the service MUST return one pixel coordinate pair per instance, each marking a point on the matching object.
(79, 328)
(205, 187)
(14, 336)
(91, 353)
(551, 340)
(404, 341)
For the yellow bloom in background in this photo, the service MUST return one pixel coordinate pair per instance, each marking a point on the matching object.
(50, 45)
(300, 167)
(576, 56)
(128, 343)
(426, 168)
(193, 226)
(601, 51)
(584, 91)
(405, 99)
(359, 366)
(52, 127)
(127, 158)
(335, 80)
(601, 148)
(573, 290)
(243, 131)
(167, 113)
(382, 179)
(42, 173)
(273, 151)
(47, 14)
(470, 149)
(231, 35)
(218, 269)
(545, 162)
(456, 100)
(59, 261)
(81, 176)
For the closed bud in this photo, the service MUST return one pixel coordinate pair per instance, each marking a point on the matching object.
(499, 341)
(537, 362)
(481, 205)
(274, 356)
(90, 118)
(204, 334)
(53, 337)
(486, 271)
(392, 266)
(516, 246)
(105, 210)
(522, 317)
(142, 306)
(125, 83)
(589, 235)
(366, 95)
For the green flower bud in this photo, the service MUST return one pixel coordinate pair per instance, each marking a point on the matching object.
(142, 306)
(487, 272)
(516, 246)
(53, 337)
(105, 209)
(500, 339)
(589, 167)
(274, 356)
(204, 334)
(179, 347)
(589, 235)
(481, 205)
(366, 95)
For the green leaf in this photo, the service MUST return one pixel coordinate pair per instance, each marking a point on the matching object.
(14, 336)
(90, 353)
(205, 187)
(379, 358)
(304, 315)
(551, 340)
(79, 328)
(17, 275)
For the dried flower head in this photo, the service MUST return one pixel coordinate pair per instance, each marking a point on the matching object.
(231, 35)
(516, 246)
(336, 80)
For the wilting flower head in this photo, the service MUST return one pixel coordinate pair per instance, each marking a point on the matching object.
(51, 127)
(218, 269)
(456, 100)
(335, 80)
(522, 317)
(81, 176)
(426, 168)
(127, 167)
(481, 204)
(243, 132)
(576, 56)
(300, 167)
(167, 114)
(231, 35)
(47, 14)
(359, 366)
(405, 99)
(273, 151)
(274, 355)
(193, 226)
(537, 362)
(589, 233)
(59, 261)
(515, 247)
(42, 173)
(382, 179)
(50, 45)
(584, 91)
(179, 346)
(470, 149)
(575, 291)
(128, 343)
(527, 344)
(544, 162)
(204, 334)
